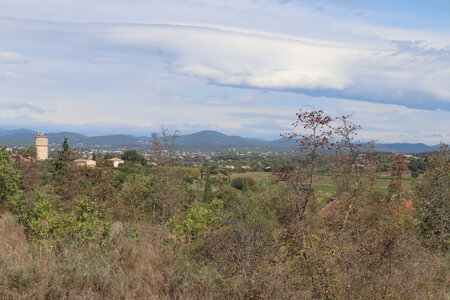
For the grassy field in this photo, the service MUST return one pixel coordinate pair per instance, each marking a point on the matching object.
(324, 182)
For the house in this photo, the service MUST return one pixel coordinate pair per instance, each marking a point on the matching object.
(21, 158)
(116, 161)
(85, 162)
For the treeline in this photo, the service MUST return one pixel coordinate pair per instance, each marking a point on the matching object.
(164, 231)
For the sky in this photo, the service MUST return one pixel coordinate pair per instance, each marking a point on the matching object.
(241, 67)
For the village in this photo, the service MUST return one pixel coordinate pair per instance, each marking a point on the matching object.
(232, 160)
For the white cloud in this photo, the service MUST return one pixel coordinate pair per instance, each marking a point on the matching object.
(105, 60)
(261, 45)
(47, 82)
(164, 58)
(235, 57)
(8, 75)
(12, 58)
(268, 61)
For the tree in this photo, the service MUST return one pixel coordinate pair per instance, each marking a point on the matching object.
(65, 145)
(108, 156)
(9, 178)
(65, 155)
(417, 166)
(432, 216)
(163, 146)
(355, 164)
(29, 152)
(207, 193)
(395, 186)
(315, 134)
(68, 176)
(134, 156)
(240, 183)
(353, 161)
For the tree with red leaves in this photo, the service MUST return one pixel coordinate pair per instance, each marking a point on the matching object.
(315, 135)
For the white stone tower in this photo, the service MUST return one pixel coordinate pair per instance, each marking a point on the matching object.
(41, 142)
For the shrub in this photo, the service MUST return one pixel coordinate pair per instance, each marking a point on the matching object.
(9, 179)
(240, 183)
(38, 218)
(87, 223)
(196, 220)
(432, 217)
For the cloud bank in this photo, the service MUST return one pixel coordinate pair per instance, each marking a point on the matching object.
(213, 63)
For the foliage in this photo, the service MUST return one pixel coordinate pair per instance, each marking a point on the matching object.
(86, 223)
(240, 183)
(9, 179)
(143, 196)
(398, 168)
(65, 145)
(207, 192)
(315, 136)
(432, 217)
(133, 156)
(317, 228)
(196, 220)
(355, 161)
(417, 166)
(29, 152)
(38, 217)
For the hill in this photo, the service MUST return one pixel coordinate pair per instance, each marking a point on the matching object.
(206, 140)
(213, 140)
(406, 148)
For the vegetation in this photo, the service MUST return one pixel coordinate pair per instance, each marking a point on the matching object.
(320, 225)
(9, 179)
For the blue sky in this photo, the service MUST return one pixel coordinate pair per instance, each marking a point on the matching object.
(237, 66)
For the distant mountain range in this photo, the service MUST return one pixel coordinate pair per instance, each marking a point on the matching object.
(199, 141)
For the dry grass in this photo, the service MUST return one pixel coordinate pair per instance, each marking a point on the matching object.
(128, 269)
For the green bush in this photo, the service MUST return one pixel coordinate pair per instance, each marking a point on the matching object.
(87, 223)
(432, 203)
(9, 179)
(240, 183)
(196, 220)
(38, 218)
(142, 197)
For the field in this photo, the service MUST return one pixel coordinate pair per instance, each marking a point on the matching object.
(324, 182)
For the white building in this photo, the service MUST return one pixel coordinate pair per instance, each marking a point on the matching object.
(116, 161)
(41, 143)
(85, 162)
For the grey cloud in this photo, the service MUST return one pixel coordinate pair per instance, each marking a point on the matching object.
(421, 48)
(22, 106)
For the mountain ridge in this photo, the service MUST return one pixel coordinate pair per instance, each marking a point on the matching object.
(206, 140)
